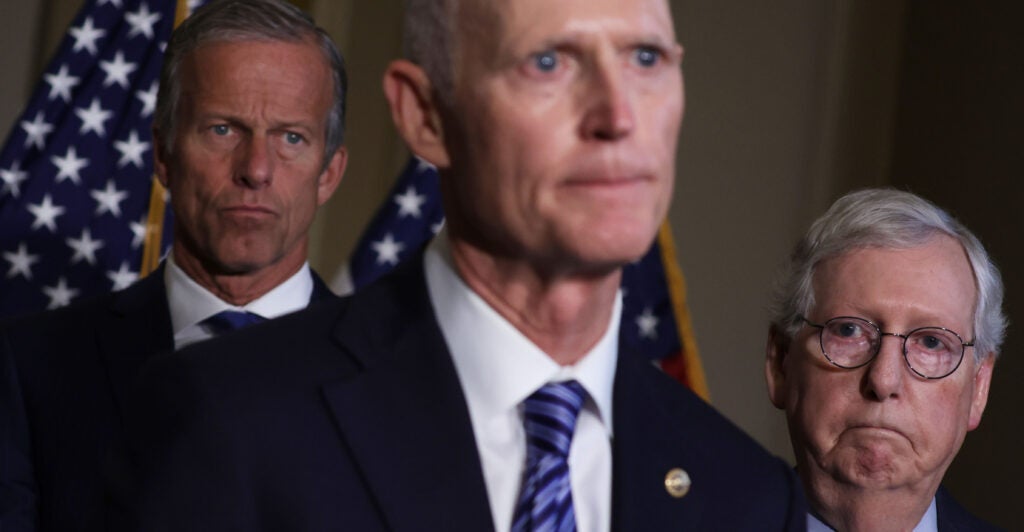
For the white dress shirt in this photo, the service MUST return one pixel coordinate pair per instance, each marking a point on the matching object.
(929, 522)
(190, 303)
(499, 368)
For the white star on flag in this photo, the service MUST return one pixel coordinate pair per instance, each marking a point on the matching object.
(109, 199)
(409, 203)
(93, 118)
(648, 324)
(423, 166)
(131, 150)
(46, 213)
(80, 156)
(61, 84)
(117, 70)
(68, 167)
(122, 278)
(148, 99)
(60, 295)
(36, 131)
(138, 232)
(86, 36)
(141, 21)
(387, 249)
(21, 262)
(12, 178)
(84, 247)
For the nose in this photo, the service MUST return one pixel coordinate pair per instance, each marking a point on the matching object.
(884, 376)
(256, 164)
(609, 113)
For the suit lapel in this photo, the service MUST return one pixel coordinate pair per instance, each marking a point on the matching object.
(646, 446)
(404, 417)
(134, 327)
(321, 292)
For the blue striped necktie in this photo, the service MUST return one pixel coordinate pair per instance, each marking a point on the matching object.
(545, 503)
(230, 320)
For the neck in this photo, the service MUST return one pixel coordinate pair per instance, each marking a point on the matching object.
(850, 508)
(565, 315)
(238, 288)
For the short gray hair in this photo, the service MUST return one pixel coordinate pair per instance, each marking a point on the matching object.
(429, 40)
(247, 20)
(886, 218)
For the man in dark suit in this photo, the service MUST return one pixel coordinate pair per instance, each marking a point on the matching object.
(480, 387)
(876, 421)
(249, 142)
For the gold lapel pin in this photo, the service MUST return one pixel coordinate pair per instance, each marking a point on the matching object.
(677, 483)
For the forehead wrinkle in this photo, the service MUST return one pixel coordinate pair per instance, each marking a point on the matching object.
(486, 27)
(903, 303)
(268, 94)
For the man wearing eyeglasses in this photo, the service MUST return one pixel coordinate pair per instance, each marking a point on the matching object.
(886, 326)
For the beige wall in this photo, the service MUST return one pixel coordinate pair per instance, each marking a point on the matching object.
(789, 104)
(18, 37)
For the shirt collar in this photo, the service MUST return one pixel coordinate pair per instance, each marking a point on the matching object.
(190, 303)
(929, 521)
(498, 366)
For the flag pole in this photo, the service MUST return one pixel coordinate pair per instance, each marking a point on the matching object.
(692, 366)
(157, 203)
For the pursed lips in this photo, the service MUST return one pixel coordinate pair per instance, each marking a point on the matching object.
(248, 210)
(609, 180)
(879, 427)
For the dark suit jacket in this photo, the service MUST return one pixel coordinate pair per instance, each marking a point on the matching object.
(350, 416)
(955, 518)
(64, 377)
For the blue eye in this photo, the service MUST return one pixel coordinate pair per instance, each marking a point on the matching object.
(647, 56)
(220, 129)
(292, 138)
(546, 61)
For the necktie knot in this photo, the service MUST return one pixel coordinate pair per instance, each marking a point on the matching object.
(549, 417)
(230, 320)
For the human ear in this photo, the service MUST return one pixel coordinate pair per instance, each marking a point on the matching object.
(159, 158)
(415, 111)
(982, 380)
(774, 366)
(331, 176)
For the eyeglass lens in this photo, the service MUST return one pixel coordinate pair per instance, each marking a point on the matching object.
(932, 352)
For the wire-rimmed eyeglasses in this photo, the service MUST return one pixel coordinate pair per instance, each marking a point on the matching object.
(850, 342)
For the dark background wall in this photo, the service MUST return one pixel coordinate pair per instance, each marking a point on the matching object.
(959, 134)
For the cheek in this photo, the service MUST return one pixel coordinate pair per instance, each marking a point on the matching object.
(194, 193)
(945, 411)
(303, 205)
(196, 176)
(816, 404)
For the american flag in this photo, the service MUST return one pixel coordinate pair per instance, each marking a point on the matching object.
(76, 169)
(655, 318)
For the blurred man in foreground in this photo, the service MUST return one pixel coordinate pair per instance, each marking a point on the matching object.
(479, 387)
(248, 134)
(887, 325)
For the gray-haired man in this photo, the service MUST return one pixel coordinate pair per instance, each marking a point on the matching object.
(248, 139)
(887, 324)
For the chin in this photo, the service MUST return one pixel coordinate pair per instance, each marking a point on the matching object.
(608, 258)
(870, 468)
(243, 263)
(624, 243)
